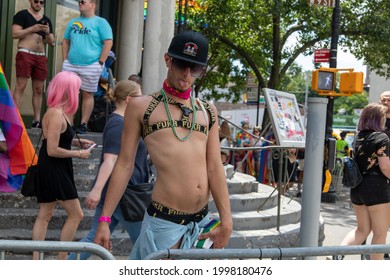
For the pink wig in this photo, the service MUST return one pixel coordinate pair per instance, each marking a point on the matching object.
(63, 92)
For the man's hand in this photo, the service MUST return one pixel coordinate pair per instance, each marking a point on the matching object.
(220, 236)
(40, 28)
(93, 199)
(102, 236)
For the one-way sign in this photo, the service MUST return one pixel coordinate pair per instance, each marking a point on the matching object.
(327, 3)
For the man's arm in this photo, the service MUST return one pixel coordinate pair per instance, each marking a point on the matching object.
(219, 190)
(104, 173)
(19, 33)
(106, 50)
(123, 168)
(50, 40)
(65, 49)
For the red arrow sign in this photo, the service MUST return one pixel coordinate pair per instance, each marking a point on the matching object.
(321, 55)
(327, 3)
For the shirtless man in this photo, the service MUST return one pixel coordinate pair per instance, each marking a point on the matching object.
(33, 29)
(184, 147)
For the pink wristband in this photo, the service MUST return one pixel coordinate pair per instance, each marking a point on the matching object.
(104, 219)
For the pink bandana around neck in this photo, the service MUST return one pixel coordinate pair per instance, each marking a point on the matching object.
(181, 94)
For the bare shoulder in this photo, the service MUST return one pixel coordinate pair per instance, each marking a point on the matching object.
(53, 113)
(213, 107)
(138, 105)
(140, 101)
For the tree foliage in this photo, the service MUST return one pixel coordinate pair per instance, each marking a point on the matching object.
(349, 103)
(266, 36)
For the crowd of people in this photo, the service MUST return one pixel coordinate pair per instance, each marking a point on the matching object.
(169, 126)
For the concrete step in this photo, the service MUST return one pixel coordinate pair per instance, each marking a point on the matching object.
(251, 219)
(84, 182)
(265, 219)
(253, 201)
(121, 243)
(12, 218)
(17, 201)
(241, 184)
(34, 134)
(86, 167)
(286, 236)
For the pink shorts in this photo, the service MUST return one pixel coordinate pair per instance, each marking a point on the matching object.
(30, 65)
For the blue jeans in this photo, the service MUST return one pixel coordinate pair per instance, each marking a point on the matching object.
(132, 228)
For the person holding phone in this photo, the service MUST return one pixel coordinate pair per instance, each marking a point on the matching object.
(34, 30)
(56, 183)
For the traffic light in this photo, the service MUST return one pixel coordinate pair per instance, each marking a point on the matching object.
(351, 82)
(324, 80)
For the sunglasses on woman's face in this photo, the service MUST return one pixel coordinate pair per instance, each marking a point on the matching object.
(40, 2)
(196, 70)
(82, 2)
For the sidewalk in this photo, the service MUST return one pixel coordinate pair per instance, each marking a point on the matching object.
(339, 219)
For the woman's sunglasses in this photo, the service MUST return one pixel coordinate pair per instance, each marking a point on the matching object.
(82, 2)
(196, 70)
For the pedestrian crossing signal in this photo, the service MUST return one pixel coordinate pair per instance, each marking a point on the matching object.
(324, 80)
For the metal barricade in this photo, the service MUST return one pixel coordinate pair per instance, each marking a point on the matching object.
(23, 246)
(268, 253)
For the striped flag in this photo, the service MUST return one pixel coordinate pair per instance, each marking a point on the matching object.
(20, 151)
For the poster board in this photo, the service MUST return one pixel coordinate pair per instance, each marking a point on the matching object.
(287, 124)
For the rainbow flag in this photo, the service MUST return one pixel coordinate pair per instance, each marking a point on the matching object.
(207, 243)
(20, 151)
(264, 160)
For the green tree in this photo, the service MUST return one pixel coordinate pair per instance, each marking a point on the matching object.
(266, 36)
(349, 103)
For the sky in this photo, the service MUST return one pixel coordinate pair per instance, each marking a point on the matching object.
(344, 60)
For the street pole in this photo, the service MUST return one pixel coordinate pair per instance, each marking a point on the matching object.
(331, 196)
(258, 104)
(314, 158)
(333, 63)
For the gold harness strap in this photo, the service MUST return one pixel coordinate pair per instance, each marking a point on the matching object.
(184, 122)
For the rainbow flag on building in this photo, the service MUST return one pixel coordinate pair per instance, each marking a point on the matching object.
(20, 151)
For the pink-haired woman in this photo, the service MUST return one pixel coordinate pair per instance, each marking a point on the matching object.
(56, 181)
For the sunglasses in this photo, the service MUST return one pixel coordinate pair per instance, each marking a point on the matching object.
(196, 70)
(82, 2)
(40, 2)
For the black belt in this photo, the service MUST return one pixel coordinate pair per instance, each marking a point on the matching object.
(158, 210)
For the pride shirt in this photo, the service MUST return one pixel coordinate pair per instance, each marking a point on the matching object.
(86, 37)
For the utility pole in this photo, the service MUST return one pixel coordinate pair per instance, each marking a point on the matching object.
(333, 63)
(331, 196)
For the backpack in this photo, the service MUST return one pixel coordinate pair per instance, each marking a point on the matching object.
(351, 173)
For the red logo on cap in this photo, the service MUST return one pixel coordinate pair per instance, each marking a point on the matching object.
(191, 49)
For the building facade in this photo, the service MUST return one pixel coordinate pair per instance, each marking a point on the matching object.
(142, 32)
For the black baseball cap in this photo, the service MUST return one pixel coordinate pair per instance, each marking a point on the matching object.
(191, 46)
